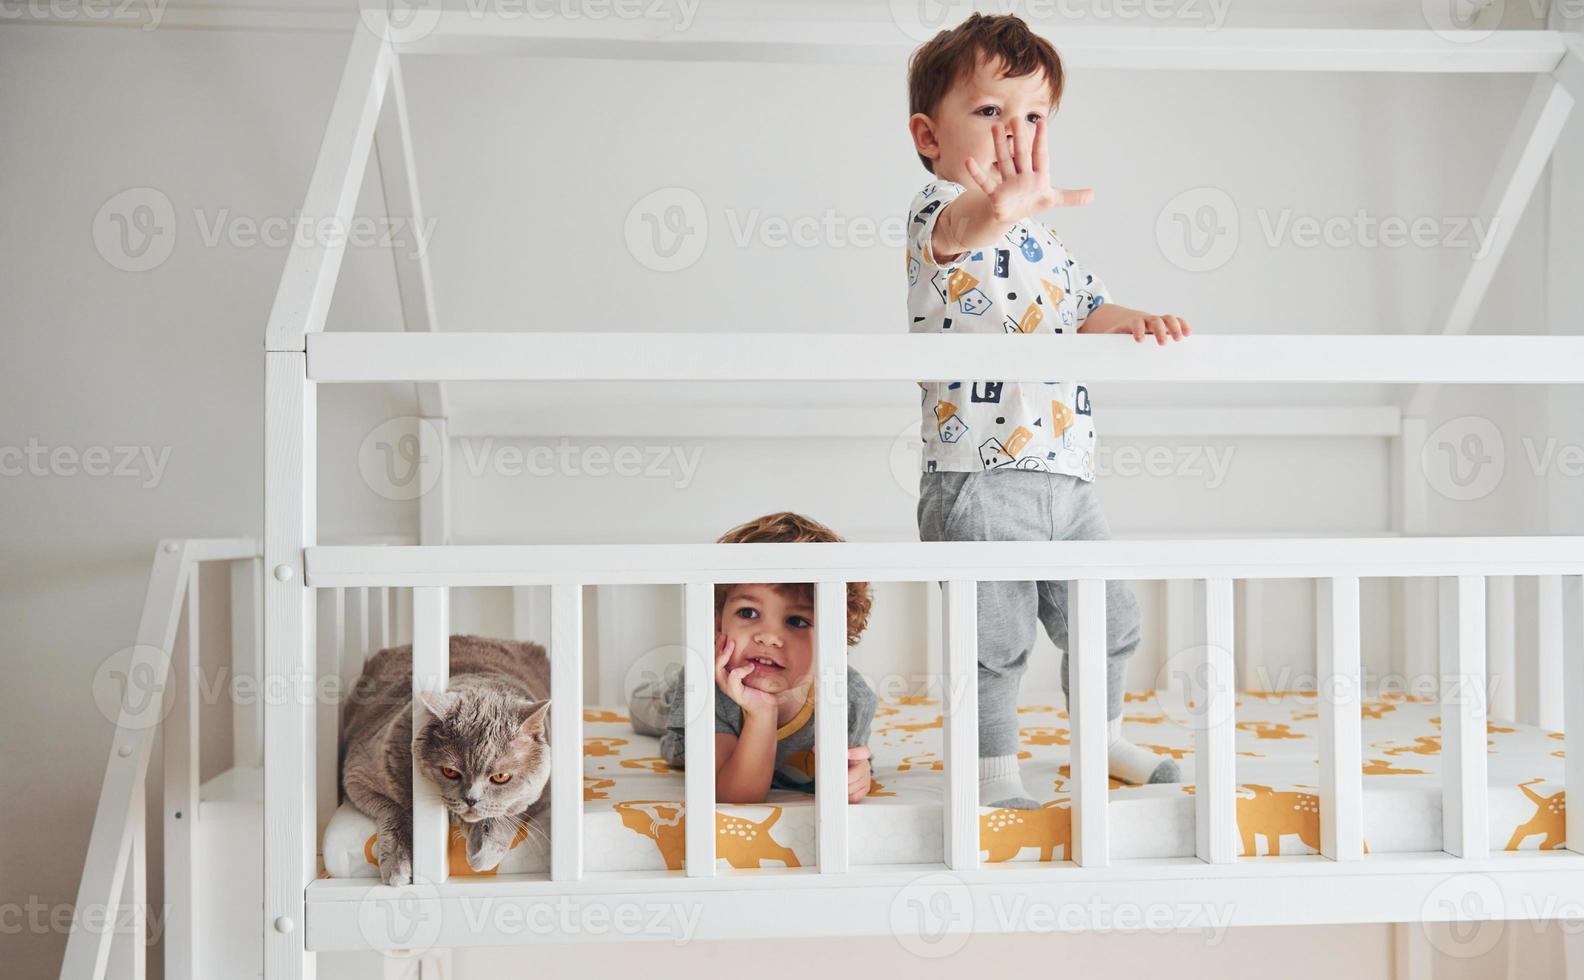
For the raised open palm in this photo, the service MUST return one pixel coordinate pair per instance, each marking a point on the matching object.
(1018, 181)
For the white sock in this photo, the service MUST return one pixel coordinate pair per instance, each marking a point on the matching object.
(1001, 784)
(1132, 764)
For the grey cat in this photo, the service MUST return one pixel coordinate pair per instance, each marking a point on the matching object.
(485, 748)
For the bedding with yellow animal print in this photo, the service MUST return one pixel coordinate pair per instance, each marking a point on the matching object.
(634, 817)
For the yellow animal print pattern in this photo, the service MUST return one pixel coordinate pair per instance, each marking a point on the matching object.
(634, 815)
(1003, 834)
(741, 842)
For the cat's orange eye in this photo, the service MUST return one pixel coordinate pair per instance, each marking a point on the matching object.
(450, 773)
(501, 778)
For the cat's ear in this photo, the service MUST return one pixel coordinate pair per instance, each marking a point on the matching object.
(439, 703)
(536, 725)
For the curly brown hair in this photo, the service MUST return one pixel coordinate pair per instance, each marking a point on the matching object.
(943, 60)
(785, 527)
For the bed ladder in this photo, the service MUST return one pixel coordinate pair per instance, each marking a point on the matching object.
(159, 688)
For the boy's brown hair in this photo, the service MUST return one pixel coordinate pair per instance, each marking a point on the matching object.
(785, 527)
(940, 62)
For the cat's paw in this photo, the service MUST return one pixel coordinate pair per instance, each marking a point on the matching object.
(395, 862)
(487, 844)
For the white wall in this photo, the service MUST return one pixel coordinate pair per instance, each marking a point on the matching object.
(529, 172)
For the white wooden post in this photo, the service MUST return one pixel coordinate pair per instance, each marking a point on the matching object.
(628, 618)
(290, 823)
(1573, 702)
(830, 720)
(698, 677)
(1215, 747)
(1086, 709)
(960, 707)
(329, 702)
(1465, 816)
(180, 801)
(247, 661)
(355, 649)
(1183, 622)
(431, 672)
(379, 618)
(1341, 765)
(934, 642)
(401, 607)
(1419, 618)
(566, 732)
(1501, 685)
(531, 611)
(1548, 652)
(1251, 601)
(434, 506)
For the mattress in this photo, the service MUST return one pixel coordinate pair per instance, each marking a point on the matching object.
(633, 810)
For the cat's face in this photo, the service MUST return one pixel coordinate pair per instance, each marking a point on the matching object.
(486, 752)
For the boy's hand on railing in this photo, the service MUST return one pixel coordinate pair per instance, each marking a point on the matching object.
(1115, 318)
(859, 774)
(752, 701)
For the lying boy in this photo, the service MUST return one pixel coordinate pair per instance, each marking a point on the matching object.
(764, 679)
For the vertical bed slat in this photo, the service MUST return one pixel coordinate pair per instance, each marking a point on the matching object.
(1341, 765)
(1215, 759)
(398, 604)
(1086, 680)
(401, 601)
(960, 705)
(1183, 622)
(180, 738)
(830, 721)
(356, 649)
(1548, 652)
(247, 660)
(566, 732)
(354, 643)
(332, 634)
(698, 624)
(1573, 702)
(1501, 684)
(1465, 818)
(434, 448)
(379, 618)
(934, 612)
(431, 672)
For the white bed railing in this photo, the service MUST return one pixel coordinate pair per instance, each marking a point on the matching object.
(878, 357)
(341, 914)
(366, 597)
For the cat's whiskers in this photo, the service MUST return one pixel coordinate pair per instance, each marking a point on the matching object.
(521, 822)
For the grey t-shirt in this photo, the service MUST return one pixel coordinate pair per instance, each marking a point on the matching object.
(794, 759)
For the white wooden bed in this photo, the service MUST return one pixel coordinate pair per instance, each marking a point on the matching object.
(318, 600)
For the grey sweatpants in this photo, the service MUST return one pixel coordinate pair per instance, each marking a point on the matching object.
(1024, 505)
